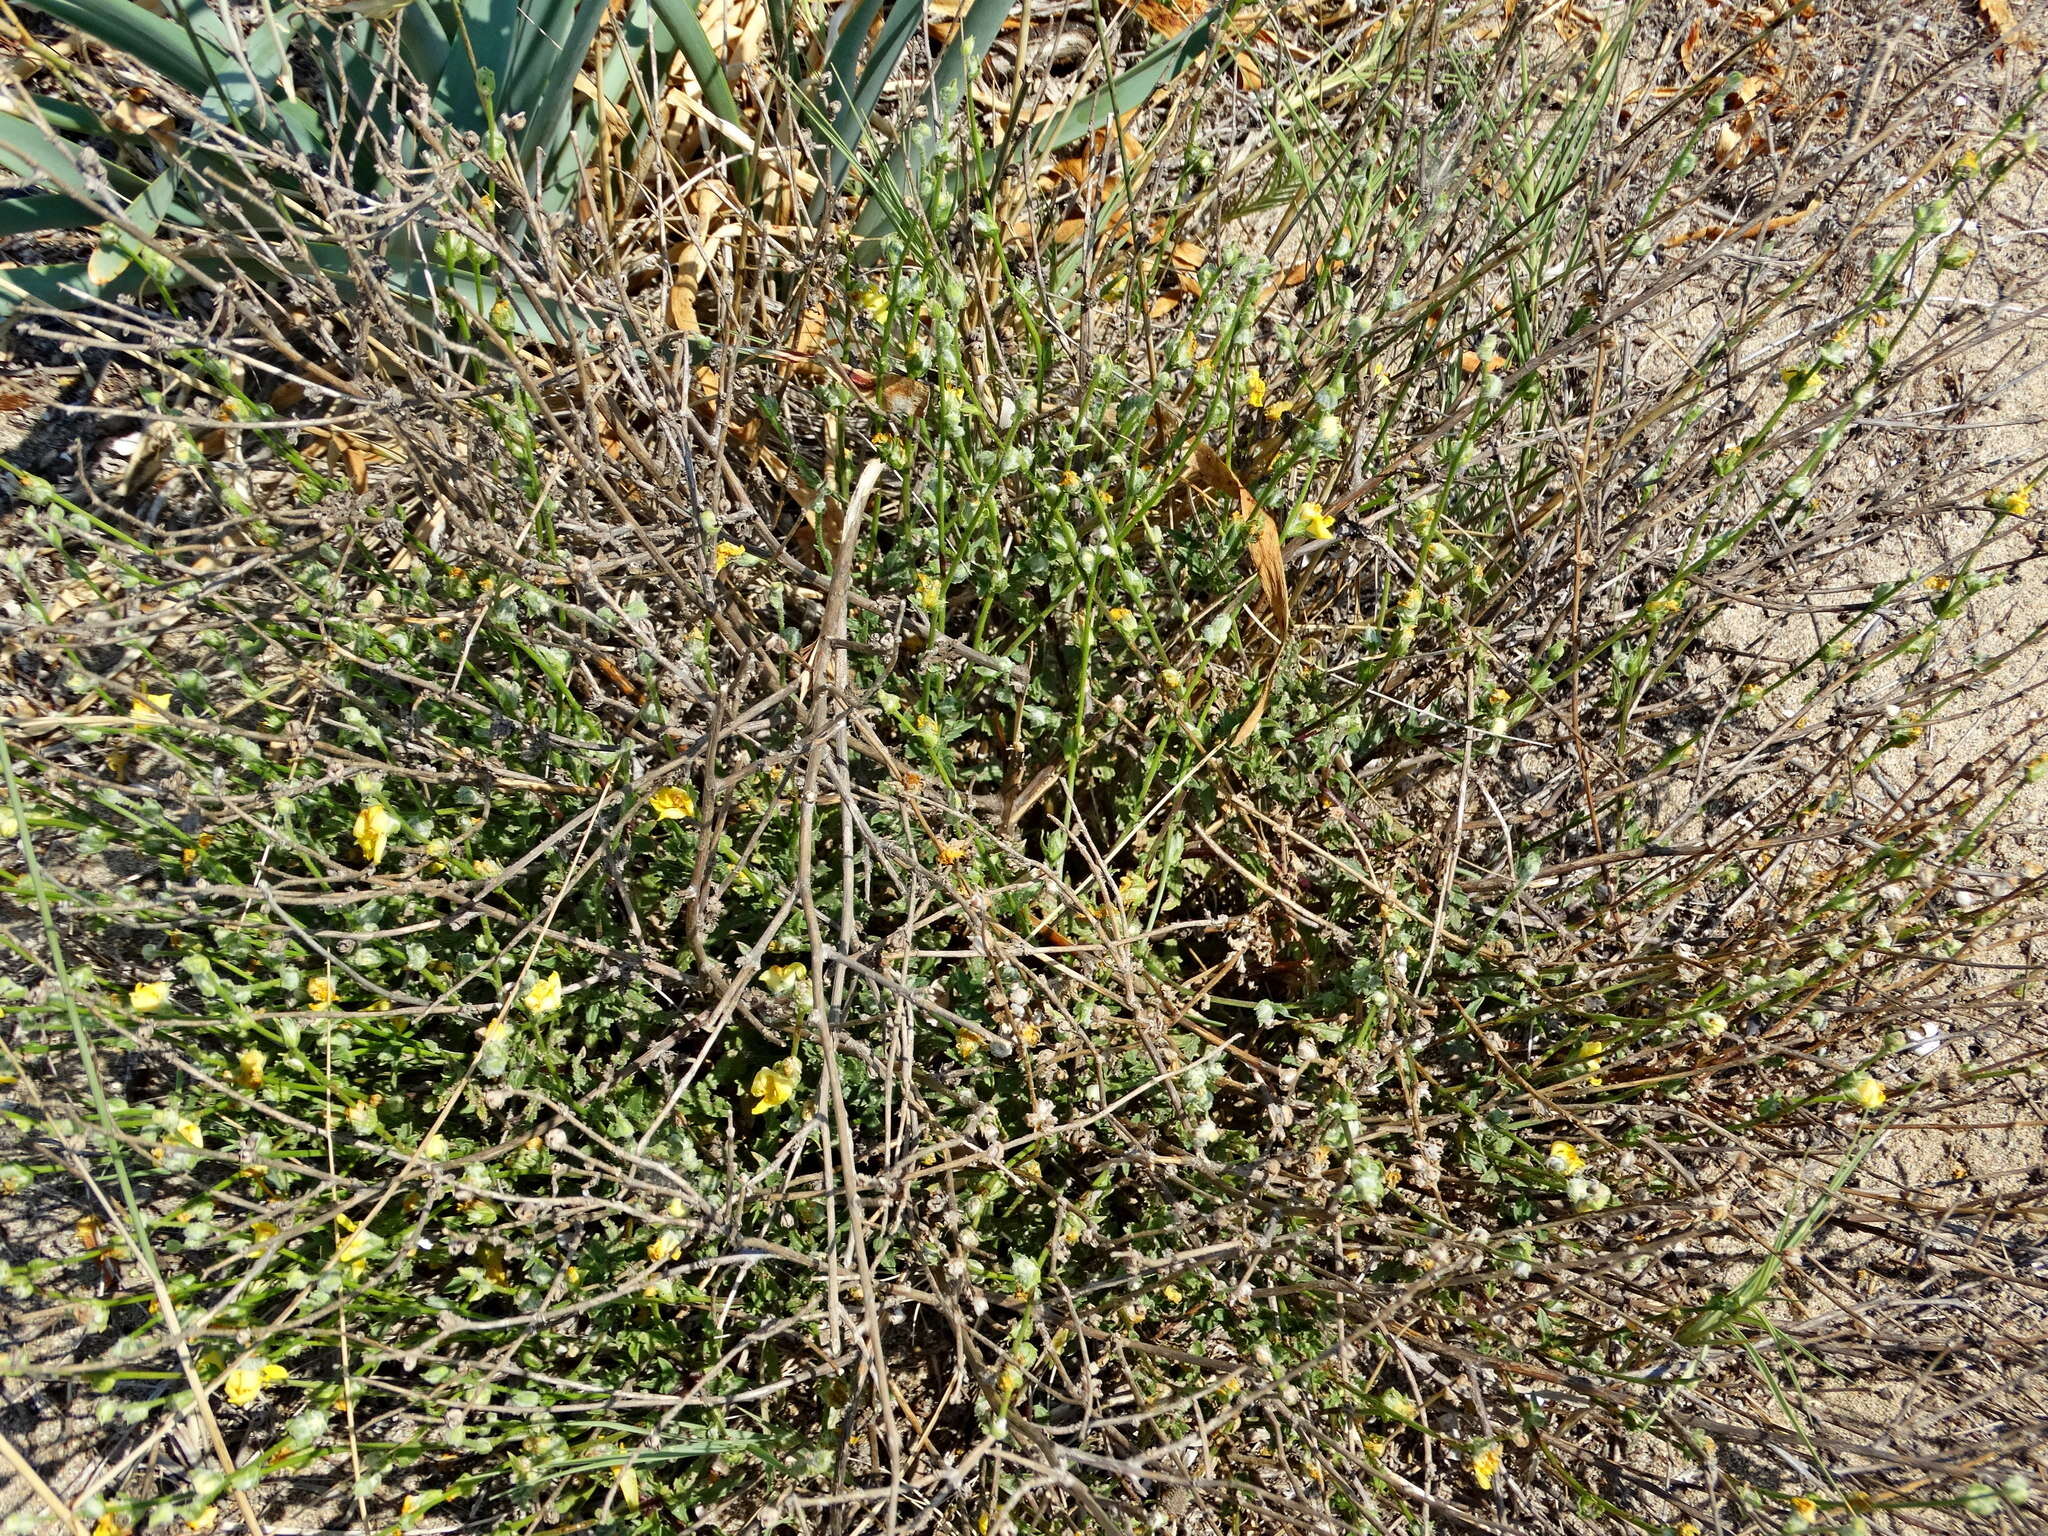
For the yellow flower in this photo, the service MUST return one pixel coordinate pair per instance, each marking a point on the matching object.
(666, 1245)
(1172, 678)
(150, 709)
(784, 980)
(927, 727)
(1120, 615)
(148, 996)
(320, 993)
(724, 555)
(245, 1383)
(355, 1249)
(107, 1525)
(10, 824)
(374, 826)
(674, 803)
(263, 1231)
(1565, 1158)
(189, 1133)
(205, 1520)
(249, 1069)
(1254, 388)
(967, 1042)
(955, 853)
(2014, 503)
(1315, 522)
(931, 592)
(872, 302)
(774, 1086)
(1486, 1464)
(1869, 1092)
(545, 995)
(1805, 1509)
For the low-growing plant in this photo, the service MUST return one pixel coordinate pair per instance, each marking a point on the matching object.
(1100, 879)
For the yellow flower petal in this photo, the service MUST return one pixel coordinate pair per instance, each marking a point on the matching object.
(148, 996)
(1486, 1464)
(249, 1069)
(545, 995)
(320, 993)
(725, 554)
(245, 1383)
(373, 829)
(784, 980)
(150, 709)
(673, 803)
(774, 1086)
(1565, 1158)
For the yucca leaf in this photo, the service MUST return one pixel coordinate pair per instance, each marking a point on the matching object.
(902, 23)
(541, 143)
(1128, 90)
(45, 210)
(62, 286)
(58, 113)
(680, 17)
(482, 35)
(162, 45)
(543, 81)
(174, 48)
(423, 43)
(849, 34)
(124, 242)
(34, 153)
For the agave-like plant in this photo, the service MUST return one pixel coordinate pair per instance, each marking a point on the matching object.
(291, 87)
(369, 94)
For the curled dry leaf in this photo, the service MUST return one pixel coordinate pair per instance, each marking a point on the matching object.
(900, 397)
(1169, 18)
(1269, 562)
(1997, 16)
(138, 119)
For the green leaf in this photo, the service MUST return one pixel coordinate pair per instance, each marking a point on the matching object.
(61, 286)
(44, 210)
(550, 74)
(680, 17)
(191, 54)
(1128, 90)
(67, 115)
(903, 22)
